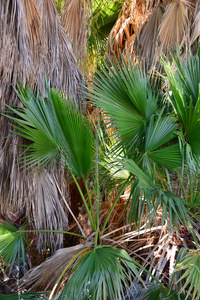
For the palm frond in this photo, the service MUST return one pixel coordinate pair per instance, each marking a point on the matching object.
(74, 20)
(159, 132)
(60, 56)
(144, 42)
(184, 85)
(12, 245)
(191, 276)
(25, 296)
(45, 276)
(156, 291)
(169, 157)
(174, 27)
(55, 127)
(126, 96)
(103, 273)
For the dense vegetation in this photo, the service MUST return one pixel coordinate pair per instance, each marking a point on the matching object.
(130, 143)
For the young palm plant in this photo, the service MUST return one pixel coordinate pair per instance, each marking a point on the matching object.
(59, 129)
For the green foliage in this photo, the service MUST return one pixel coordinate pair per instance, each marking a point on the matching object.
(190, 265)
(147, 149)
(24, 296)
(12, 245)
(184, 85)
(56, 128)
(156, 291)
(103, 273)
(103, 17)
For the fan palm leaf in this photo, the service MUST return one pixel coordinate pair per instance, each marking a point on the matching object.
(191, 267)
(102, 273)
(12, 245)
(184, 85)
(174, 26)
(55, 127)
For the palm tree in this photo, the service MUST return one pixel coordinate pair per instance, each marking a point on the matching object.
(33, 45)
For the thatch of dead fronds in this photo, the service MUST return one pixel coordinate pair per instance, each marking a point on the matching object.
(131, 17)
(33, 45)
(168, 27)
(74, 20)
(148, 29)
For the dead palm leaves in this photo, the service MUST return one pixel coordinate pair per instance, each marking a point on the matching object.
(170, 29)
(171, 24)
(132, 16)
(74, 20)
(33, 45)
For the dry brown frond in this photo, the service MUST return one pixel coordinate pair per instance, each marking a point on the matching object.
(48, 213)
(45, 276)
(61, 62)
(71, 21)
(144, 43)
(131, 17)
(174, 28)
(195, 30)
(74, 20)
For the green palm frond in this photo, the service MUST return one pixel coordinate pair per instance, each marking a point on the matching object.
(190, 265)
(184, 84)
(156, 291)
(188, 75)
(25, 296)
(12, 245)
(175, 210)
(144, 180)
(126, 96)
(169, 157)
(159, 132)
(104, 273)
(56, 127)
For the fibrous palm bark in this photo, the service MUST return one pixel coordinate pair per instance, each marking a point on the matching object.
(33, 45)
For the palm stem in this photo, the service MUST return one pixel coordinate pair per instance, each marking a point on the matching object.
(84, 201)
(79, 189)
(68, 207)
(114, 204)
(90, 202)
(97, 182)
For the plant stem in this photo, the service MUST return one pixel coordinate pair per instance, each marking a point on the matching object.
(114, 204)
(90, 202)
(80, 191)
(84, 201)
(68, 207)
(97, 182)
